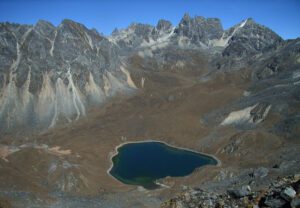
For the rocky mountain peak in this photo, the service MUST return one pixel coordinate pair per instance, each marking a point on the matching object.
(44, 27)
(186, 18)
(249, 37)
(249, 20)
(164, 25)
(115, 31)
(199, 29)
(68, 22)
(132, 37)
(140, 29)
(71, 25)
(41, 23)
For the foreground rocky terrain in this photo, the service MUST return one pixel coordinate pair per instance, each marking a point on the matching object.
(284, 192)
(69, 96)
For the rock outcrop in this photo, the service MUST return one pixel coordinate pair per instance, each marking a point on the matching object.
(49, 73)
(283, 192)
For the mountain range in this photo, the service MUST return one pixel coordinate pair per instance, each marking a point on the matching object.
(234, 93)
(53, 73)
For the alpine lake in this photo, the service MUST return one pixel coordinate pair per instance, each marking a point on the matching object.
(143, 163)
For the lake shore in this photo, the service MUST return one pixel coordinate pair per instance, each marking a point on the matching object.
(116, 151)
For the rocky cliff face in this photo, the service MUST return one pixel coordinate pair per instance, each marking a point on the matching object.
(245, 38)
(234, 48)
(249, 38)
(198, 31)
(49, 73)
(139, 36)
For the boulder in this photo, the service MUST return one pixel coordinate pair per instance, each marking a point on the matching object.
(241, 192)
(275, 202)
(288, 193)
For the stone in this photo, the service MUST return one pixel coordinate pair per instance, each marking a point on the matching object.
(275, 202)
(288, 193)
(220, 204)
(164, 25)
(261, 172)
(187, 197)
(297, 176)
(241, 192)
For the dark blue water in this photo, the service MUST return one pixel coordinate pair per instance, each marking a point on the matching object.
(143, 163)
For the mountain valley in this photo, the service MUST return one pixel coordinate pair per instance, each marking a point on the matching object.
(69, 96)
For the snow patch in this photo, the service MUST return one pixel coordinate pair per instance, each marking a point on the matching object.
(52, 43)
(223, 41)
(124, 35)
(246, 116)
(243, 23)
(241, 116)
(161, 42)
(90, 42)
(219, 42)
(16, 62)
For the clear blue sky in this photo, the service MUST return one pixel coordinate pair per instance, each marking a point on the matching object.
(282, 16)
